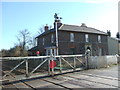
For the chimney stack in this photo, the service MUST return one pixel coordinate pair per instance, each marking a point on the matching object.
(83, 25)
(109, 33)
(46, 28)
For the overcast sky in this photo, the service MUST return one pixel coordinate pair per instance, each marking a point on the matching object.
(16, 16)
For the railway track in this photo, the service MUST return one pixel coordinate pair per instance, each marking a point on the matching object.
(88, 83)
(69, 81)
(93, 79)
(99, 76)
(66, 81)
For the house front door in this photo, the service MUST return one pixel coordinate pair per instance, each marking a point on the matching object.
(88, 46)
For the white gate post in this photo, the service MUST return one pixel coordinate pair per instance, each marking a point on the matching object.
(48, 66)
(26, 67)
(60, 65)
(74, 63)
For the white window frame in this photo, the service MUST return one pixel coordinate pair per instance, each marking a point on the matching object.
(43, 41)
(86, 38)
(51, 52)
(36, 41)
(99, 38)
(72, 37)
(52, 38)
(48, 52)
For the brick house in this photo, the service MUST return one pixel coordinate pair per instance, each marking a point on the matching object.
(72, 39)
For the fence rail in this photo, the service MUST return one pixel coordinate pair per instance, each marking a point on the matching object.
(36, 57)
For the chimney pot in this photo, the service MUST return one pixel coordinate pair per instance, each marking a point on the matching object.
(46, 28)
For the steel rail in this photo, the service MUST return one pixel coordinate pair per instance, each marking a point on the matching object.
(90, 80)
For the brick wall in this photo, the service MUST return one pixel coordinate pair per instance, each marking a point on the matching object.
(66, 47)
(79, 43)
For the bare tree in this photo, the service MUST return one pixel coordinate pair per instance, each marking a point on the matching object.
(24, 39)
(41, 30)
(4, 52)
(34, 41)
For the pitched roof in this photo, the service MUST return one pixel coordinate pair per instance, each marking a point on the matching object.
(44, 33)
(33, 49)
(75, 28)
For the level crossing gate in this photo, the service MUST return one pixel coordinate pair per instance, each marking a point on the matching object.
(33, 66)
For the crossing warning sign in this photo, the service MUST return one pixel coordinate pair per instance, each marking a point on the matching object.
(52, 64)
